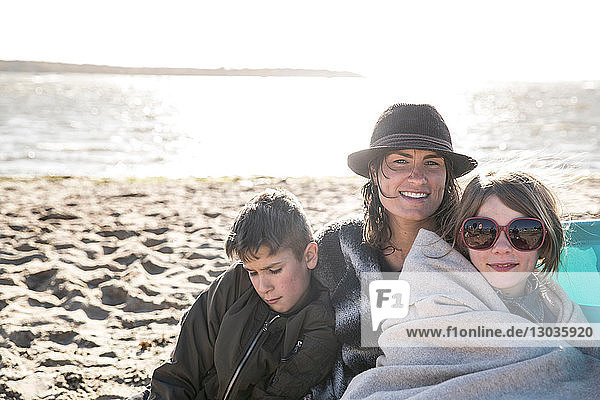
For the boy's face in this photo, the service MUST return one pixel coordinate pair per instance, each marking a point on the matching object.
(279, 278)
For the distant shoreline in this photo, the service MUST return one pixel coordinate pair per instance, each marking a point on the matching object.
(52, 67)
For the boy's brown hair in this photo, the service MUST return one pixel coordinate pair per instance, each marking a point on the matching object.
(273, 218)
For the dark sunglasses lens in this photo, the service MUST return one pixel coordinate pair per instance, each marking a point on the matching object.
(526, 234)
(479, 233)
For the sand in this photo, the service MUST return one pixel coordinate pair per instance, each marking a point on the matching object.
(95, 274)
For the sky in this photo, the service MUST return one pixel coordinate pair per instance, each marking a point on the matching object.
(423, 41)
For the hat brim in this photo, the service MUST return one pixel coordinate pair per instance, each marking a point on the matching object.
(359, 160)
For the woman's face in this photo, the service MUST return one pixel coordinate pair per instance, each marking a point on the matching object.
(415, 181)
(503, 266)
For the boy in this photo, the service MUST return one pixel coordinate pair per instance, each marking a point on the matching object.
(265, 327)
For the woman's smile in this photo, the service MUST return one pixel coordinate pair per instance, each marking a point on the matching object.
(415, 195)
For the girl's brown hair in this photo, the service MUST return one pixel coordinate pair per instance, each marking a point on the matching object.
(523, 193)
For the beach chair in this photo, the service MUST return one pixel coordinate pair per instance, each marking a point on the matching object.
(579, 272)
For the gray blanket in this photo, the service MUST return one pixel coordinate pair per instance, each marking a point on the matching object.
(484, 368)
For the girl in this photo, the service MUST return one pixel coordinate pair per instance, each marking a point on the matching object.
(509, 228)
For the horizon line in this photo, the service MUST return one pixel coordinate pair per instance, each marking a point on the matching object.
(58, 67)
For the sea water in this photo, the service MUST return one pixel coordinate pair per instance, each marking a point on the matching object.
(181, 126)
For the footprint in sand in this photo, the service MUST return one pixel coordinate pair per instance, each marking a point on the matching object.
(113, 267)
(166, 250)
(63, 246)
(138, 304)
(198, 279)
(91, 254)
(25, 247)
(194, 256)
(5, 279)
(20, 228)
(114, 293)
(126, 260)
(149, 292)
(34, 302)
(206, 253)
(150, 242)
(120, 234)
(85, 343)
(91, 310)
(39, 281)
(54, 359)
(152, 267)
(22, 338)
(50, 281)
(157, 231)
(96, 280)
(15, 260)
(58, 216)
(62, 337)
(109, 250)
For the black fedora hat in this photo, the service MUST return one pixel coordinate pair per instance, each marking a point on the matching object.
(410, 126)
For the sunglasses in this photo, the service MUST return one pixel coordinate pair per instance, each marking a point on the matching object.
(524, 234)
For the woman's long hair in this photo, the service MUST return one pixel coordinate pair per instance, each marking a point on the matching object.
(376, 228)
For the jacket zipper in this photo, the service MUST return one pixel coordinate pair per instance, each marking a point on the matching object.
(245, 358)
(294, 351)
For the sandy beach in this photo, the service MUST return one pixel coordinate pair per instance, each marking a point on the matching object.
(95, 274)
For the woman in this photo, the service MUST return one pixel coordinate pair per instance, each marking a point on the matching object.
(412, 170)
(508, 228)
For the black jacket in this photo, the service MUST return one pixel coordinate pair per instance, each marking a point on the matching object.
(230, 328)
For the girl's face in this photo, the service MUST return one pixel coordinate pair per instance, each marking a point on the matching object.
(414, 181)
(503, 266)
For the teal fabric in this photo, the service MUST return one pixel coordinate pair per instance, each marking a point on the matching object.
(579, 272)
